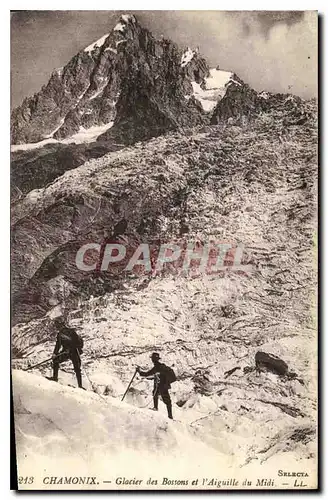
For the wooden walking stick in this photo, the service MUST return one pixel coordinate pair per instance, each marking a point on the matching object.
(135, 373)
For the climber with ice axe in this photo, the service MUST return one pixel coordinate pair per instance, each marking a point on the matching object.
(69, 345)
(163, 377)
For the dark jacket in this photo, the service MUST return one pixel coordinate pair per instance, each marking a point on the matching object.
(67, 340)
(160, 369)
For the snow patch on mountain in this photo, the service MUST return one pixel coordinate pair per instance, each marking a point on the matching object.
(55, 130)
(97, 44)
(89, 134)
(82, 136)
(187, 57)
(111, 50)
(215, 88)
(119, 27)
(82, 94)
(33, 145)
(218, 78)
(98, 92)
(234, 82)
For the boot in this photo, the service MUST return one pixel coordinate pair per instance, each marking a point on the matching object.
(55, 372)
(79, 380)
(169, 411)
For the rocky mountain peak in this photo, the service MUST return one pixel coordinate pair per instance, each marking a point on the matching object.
(127, 23)
(126, 84)
(126, 29)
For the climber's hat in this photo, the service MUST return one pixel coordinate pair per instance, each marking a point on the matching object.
(155, 356)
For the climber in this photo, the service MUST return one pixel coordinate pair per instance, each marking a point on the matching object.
(161, 382)
(69, 345)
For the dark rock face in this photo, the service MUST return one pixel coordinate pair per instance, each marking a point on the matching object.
(239, 100)
(34, 169)
(270, 362)
(127, 76)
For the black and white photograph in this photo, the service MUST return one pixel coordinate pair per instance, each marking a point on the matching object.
(164, 249)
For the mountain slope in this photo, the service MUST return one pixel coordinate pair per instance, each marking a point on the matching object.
(77, 207)
(124, 88)
(251, 185)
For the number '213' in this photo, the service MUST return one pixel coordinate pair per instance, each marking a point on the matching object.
(25, 480)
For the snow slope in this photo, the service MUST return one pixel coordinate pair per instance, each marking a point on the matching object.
(65, 429)
(67, 432)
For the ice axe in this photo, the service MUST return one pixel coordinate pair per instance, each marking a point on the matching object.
(39, 364)
(128, 387)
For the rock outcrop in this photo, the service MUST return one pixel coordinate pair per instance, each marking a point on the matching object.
(268, 361)
(240, 100)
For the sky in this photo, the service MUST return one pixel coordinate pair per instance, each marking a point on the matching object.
(273, 51)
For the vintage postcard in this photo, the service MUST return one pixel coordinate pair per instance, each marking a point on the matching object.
(164, 171)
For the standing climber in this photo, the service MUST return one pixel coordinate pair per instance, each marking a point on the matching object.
(163, 377)
(69, 345)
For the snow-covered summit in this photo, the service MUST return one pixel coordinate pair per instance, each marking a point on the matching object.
(125, 20)
(120, 26)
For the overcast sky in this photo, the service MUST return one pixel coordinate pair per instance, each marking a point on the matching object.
(275, 51)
